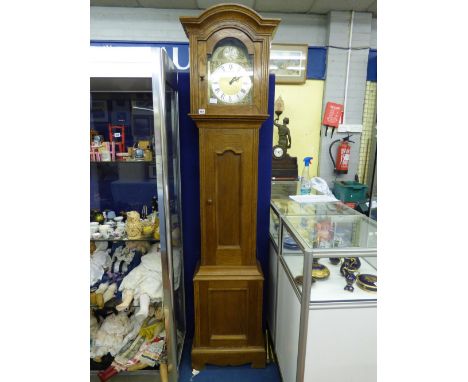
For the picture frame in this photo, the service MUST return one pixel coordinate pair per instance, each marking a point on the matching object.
(289, 63)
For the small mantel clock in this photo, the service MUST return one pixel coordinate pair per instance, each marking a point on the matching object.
(229, 62)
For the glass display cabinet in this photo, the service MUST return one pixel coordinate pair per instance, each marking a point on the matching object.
(137, 312)
(323, 291)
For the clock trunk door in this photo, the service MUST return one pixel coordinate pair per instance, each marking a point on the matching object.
(228, 196)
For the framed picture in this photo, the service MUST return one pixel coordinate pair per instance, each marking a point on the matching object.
(289, 63)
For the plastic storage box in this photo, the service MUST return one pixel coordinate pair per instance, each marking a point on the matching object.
(350, 191)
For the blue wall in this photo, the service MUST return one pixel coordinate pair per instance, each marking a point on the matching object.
(316, 58)
(179, 54)
(372, 66)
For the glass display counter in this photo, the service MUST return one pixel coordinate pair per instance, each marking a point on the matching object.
(323, 291)
(136, 288)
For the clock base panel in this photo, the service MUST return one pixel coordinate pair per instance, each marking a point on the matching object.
(228, 316)
(255, 355)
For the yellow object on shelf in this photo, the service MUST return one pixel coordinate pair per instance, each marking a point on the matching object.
(144, 145)
(147, 230)
(148, 155)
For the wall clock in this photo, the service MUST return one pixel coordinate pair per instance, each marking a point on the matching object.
(229, 58)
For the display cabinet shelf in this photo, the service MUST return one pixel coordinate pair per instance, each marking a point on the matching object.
(136, 274)
(122, 161)
(126, 240)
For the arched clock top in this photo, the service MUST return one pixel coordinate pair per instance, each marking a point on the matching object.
(231, 14)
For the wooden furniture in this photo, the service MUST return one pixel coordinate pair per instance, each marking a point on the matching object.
(229, 57)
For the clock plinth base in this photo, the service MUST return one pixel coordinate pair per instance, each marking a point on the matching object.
(284, 168)
(255, 355)
(228, 316)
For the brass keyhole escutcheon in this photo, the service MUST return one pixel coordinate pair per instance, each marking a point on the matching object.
(209, 201)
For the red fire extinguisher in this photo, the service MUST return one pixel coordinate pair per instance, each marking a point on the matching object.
(342, 155)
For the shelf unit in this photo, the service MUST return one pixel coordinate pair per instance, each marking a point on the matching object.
(122, 77)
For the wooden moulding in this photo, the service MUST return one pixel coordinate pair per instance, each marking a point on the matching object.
(214, 272)
(228, 357)
(230, 13)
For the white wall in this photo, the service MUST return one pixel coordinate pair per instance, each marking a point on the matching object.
(163, 25)
(335, 84)
(373, 41)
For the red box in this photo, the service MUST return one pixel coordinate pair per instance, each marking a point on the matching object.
(333, 114)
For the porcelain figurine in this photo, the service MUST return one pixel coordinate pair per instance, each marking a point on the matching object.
(347, 269)
(352, 264)
(350, 279)
(133, 227)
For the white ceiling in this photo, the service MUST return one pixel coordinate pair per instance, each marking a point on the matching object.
(277, 6)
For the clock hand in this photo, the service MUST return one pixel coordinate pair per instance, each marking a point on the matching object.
(233, 80)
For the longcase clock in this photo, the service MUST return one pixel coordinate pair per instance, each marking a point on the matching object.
(229, 58)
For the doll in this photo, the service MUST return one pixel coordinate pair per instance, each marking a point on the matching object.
(109, 336)
(124, 259)
(100, 261)
(146, 350)
(143, 283)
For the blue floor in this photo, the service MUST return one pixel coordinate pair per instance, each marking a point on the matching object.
(211, 373)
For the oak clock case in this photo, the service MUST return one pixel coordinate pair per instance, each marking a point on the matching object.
(126, 190)
(229, 55)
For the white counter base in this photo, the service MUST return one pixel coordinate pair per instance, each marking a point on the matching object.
(341, 338)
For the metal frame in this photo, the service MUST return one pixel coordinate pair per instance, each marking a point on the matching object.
(304, 295)
(175, 114)
(163, 69)
(277, 247)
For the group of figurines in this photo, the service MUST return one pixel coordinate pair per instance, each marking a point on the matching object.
(130, 225)
(127, 317)
(349, 269)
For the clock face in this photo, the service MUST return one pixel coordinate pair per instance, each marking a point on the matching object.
(230, 74)
(230, 83)
(278, 152)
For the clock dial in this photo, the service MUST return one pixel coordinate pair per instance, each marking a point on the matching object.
(230, 74)
(278, 151)
(230, 83)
